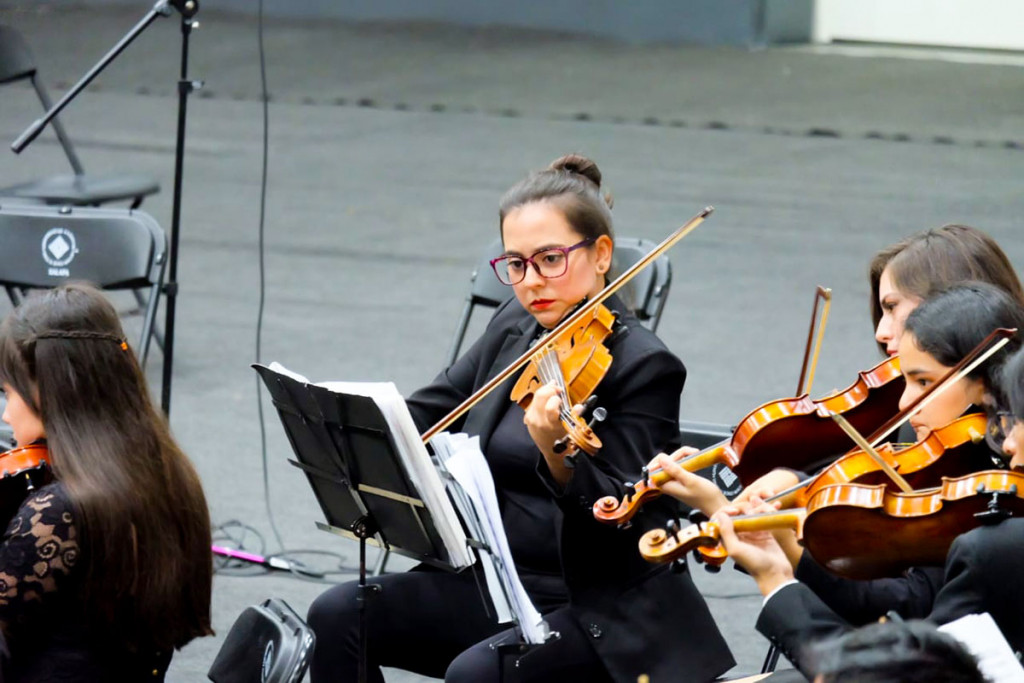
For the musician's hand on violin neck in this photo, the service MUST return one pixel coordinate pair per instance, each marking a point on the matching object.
(694, 490)
(756, 551)
(543, 421)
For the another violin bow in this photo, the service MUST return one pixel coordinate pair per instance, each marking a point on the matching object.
(858, 439)
(822, 294)
(569, 322)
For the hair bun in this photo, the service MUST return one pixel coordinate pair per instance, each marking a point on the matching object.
(580, 165)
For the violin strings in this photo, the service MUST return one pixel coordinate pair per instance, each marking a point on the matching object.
(551, 371)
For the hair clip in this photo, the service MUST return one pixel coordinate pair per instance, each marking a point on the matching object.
(124, 345)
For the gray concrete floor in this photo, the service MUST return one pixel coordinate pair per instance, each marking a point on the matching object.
(389, 148)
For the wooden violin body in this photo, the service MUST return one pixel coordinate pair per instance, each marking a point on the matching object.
(777, 434)
(576, 360)
(22, 470)
(867, 532)
(946, 452)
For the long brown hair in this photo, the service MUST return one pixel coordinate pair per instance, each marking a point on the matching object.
(931, 260)
(142, 519)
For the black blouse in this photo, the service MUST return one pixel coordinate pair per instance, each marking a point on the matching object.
(48, 635)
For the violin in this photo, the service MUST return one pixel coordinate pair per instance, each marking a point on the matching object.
(22, 470)
(945, 452)
(576, 362)
(868, 532)
(777, 434)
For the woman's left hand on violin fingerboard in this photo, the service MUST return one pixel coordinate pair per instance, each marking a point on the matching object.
(696, 491)
(543, 421)
(756, 551)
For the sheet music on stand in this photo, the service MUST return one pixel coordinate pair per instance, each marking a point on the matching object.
(472, 489)
(362, 454)
(361, 451)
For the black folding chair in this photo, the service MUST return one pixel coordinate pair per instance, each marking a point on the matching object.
(645, 294)
(115, 249)
(79, 189)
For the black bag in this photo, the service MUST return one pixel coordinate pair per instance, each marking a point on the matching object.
(268, 643)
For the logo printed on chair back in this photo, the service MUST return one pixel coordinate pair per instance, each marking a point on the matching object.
(59, 249)
(268, 661)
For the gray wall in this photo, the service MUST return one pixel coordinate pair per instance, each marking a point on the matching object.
(748, 23)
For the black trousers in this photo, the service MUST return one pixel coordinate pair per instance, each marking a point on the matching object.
(435, 623)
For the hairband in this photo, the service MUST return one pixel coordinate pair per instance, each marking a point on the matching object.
(82, 334)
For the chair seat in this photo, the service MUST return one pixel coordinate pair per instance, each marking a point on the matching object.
(84, 190)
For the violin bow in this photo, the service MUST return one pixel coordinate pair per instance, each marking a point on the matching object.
(976, 357)
(858, 439)
(822, 294)
(568, 322)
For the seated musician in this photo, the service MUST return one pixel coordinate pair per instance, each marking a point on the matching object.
(795, 613)
(586, 578)
(106, 569)
(901, 277)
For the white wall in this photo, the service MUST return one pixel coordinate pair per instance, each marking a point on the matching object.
(993, 24)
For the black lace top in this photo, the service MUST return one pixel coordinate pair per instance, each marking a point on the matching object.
(48, 635)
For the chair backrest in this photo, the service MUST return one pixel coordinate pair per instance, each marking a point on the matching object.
(645, 294)
(16, 63)
(46, 246)
(16, 60)
(268, 643)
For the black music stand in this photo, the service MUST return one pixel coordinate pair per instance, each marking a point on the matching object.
(345, 447)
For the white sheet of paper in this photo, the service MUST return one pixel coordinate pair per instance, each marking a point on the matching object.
(446, 445)
(470, 470)
(984, 640)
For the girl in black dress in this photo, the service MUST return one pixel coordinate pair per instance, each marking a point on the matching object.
(105, 570)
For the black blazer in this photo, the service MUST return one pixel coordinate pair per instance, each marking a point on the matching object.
(862, 602)
(982, 574)
(640, 617)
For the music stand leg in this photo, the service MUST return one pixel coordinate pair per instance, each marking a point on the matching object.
(363, 528)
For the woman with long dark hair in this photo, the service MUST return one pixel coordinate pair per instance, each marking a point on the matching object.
(105, 570)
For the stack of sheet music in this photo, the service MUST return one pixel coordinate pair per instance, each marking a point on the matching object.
(477, 501)
(416, 461)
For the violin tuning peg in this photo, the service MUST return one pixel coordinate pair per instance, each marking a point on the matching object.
(600, 414)
(569, 461)
(672, 527)
(695, 516)
(630, 490)
(712, 568)
(560, 445)
(679, 565)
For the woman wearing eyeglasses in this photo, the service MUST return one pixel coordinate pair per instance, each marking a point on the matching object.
(617, 616)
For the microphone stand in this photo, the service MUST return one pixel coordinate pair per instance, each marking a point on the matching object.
(163, 8)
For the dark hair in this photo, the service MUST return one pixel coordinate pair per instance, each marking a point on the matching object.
(1012, 384)
(951, 323)
(934, 259)
(573, 184)
(140, 513)
(904, 651)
